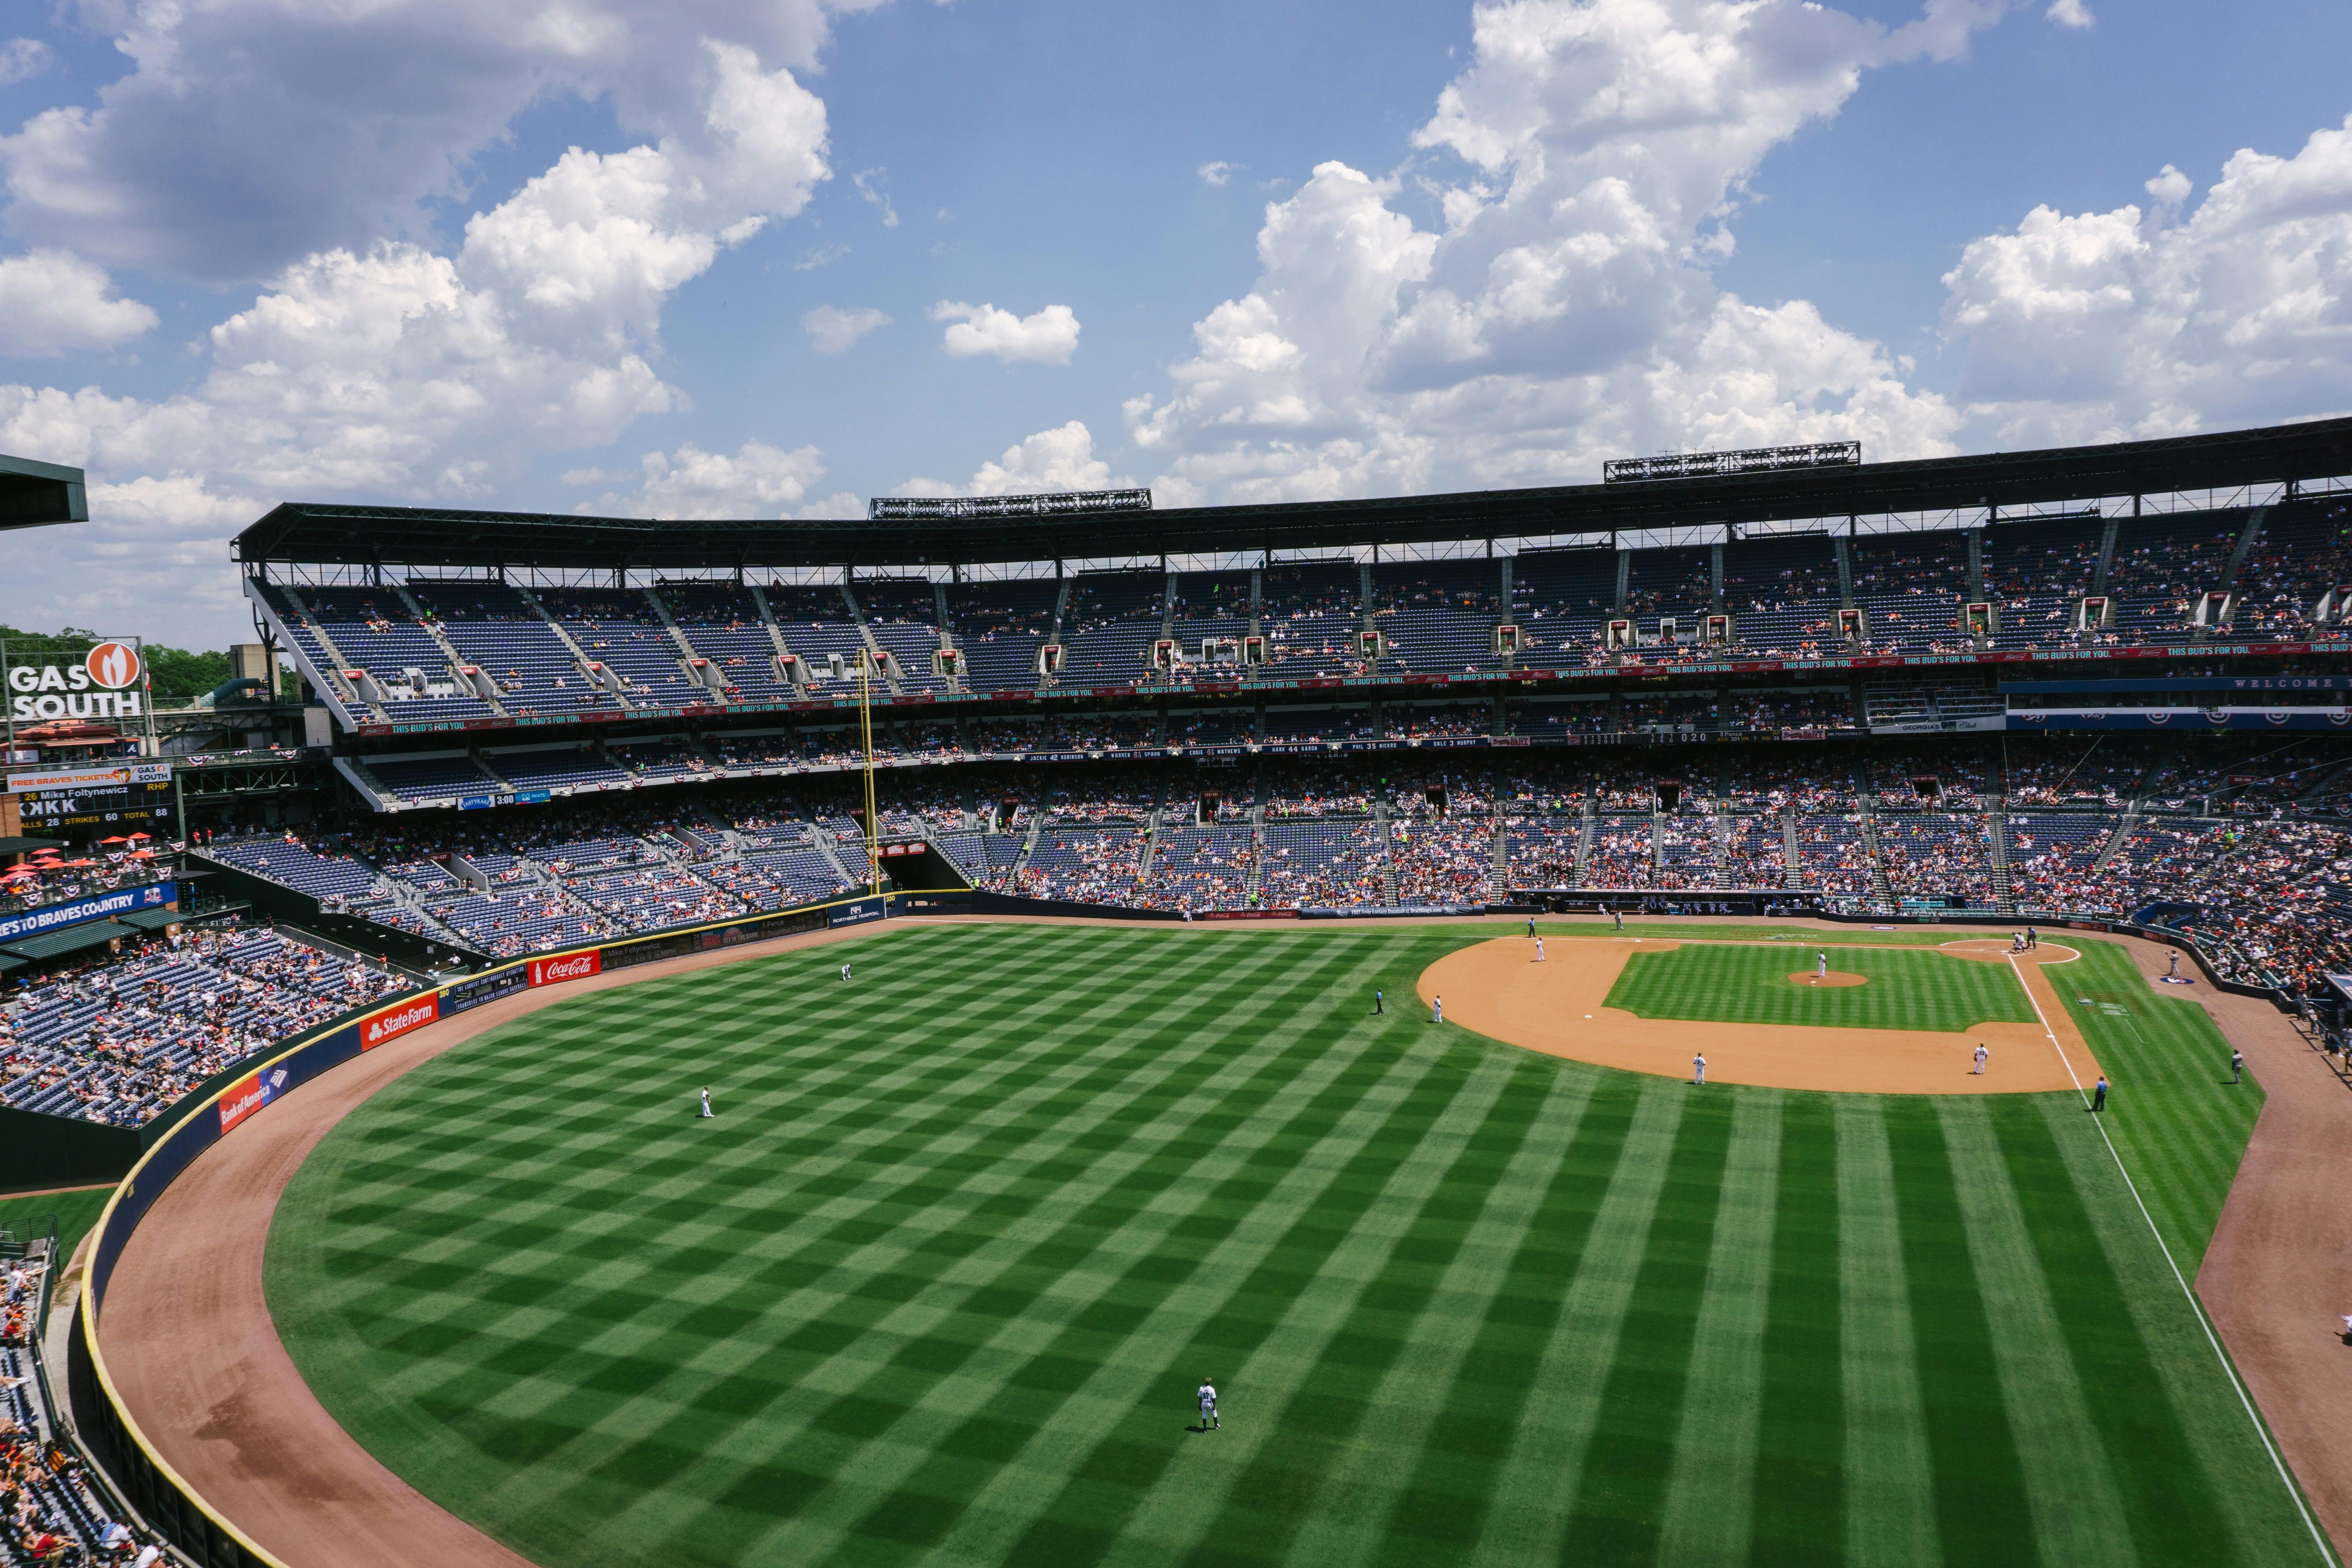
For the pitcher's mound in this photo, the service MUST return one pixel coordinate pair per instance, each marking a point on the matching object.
(1835, 977)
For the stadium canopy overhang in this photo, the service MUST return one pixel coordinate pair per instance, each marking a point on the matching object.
(312, 534)
(34, 494)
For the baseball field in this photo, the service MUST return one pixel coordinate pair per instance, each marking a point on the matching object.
(938, 1282)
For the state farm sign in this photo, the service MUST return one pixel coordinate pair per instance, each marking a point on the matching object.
(105, 684)
(569, 966)
(398, 1019)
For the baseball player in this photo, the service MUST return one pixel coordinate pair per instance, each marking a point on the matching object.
(1981, 1055)
(2237, 1066)
(1208, 1406)
(1698, 1069)
(845, 972)
(1437, 1009)
(1822, 966)
(1539, 957)
(706, 1103)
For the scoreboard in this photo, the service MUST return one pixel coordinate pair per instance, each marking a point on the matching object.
(98, 795)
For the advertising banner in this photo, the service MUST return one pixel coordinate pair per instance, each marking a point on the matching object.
(484, 988)
(54, 917)
(566, 966)
(396, 1020)
(249, 1094)
(856, 913)
(104, 683)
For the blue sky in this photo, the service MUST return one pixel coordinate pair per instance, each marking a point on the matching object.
(712, 258)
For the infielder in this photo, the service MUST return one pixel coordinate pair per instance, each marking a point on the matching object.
(706, 1102)
(2236, 1067)
(1981, 1054)
(1539, 957)
(1698, 1068)
(1208, 1406)
(1437, 1009)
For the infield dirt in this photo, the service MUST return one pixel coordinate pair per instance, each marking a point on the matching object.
(1558, 1007)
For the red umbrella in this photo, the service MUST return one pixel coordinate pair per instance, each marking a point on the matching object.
(77, 863)
(117, 839)
(137, 836)
(17, 874)
(143, 853)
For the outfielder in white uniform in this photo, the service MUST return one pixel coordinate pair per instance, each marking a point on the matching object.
(706, 1103)
(845, 972)
(1208, 1406)
(1981, 1055)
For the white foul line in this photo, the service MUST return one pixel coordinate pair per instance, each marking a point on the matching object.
(2327, 1553)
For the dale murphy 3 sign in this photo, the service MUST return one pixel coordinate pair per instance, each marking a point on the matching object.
(52, 917)
(107, 682)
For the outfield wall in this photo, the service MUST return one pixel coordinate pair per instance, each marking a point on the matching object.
(226, 1103)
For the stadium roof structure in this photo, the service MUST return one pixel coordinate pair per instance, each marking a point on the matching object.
(34, 494)
(311, 533)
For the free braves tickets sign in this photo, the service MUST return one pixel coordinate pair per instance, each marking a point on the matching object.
(398, 1019)
(249, 1094)
(566, 966)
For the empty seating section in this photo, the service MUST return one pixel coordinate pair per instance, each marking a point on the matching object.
(1113, 619)
(723, 624)
(2036, 575)
(1782, 595)
(1560, 599)
(1310, 612)
(2161, 564)
(374, 630)
(1677, 582)
(1000, 625)
(560, 767)
(814, 620)
(424, 780)
(1211, 606)
(1910, 588)
(903, 613)
(1437, 616)
(621, 629)
(658, 762)
(120, 1043)
(1322, 863)
(1936, 855)
(493, 626)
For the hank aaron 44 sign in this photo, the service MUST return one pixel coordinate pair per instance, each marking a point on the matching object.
(109, 681)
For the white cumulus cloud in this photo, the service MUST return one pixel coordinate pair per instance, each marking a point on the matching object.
(1062, 459)
(2071, 14)
(832, 330)
(1218, 174)
(1600, 151)
(1049, 337)
(755, 480)
(22, 59)
(52, 301)
(2117, 325)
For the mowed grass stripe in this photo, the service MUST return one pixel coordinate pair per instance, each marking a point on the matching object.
(1799, 1504)
(1349, 1519)
(1079, 1256)
(1889, 1486)
(2179, 1122)
(1538, 1478)
(1288, 1285)
(1708, 1516)
(1316, 1122)
(1618, 1504)
(2167, 1500)
(874, 1299)
(1269, 1501)
(1439, 1513)
(1742, 983)
(2077, 1515)
(1982, 1512)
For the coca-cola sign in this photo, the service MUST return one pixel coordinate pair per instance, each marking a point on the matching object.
(566, 966)
(398, 1019)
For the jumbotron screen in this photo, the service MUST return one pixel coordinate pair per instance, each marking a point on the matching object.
(95, 794)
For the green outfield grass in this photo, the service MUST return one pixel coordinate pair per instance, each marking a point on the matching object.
(938, 1283)
(1907, 989)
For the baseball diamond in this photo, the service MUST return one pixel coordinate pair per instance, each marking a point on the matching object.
(931, 1294)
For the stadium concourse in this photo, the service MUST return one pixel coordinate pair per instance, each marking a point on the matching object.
(2099, 686)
